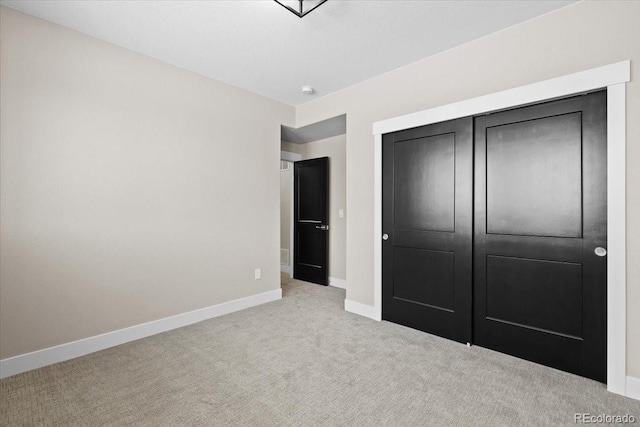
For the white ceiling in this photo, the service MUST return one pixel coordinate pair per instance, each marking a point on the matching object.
(261, 47)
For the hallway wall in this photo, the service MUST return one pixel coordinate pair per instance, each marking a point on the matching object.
(119, 203)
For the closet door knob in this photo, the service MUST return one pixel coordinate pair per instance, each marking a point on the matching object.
(600, 251)
(385, 236)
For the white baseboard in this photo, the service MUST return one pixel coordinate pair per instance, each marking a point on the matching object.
(361, 309)
(633, 388)
(60, 353)
(286, 269)
(338, 283)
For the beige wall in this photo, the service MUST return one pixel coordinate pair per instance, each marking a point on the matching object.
(292, 147)
(578, 37)
(122, 200)
(335, 149)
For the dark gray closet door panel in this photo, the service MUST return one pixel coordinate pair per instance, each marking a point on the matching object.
(424, 193)
(536, 294)
(434, 270)
(533, 177)
(540, 211)
(427, 214)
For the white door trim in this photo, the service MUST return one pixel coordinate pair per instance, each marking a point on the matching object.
(292, 228)
(612, 77)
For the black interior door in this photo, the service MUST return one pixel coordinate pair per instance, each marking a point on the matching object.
(311, 220)
(427, 216)
(540, 213)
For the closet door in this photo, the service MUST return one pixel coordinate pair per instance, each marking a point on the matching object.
(540, 234)
(427, 223)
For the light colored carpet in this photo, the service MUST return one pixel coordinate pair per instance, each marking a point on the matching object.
(302, 361)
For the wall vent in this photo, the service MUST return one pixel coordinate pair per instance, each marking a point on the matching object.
(284, 256)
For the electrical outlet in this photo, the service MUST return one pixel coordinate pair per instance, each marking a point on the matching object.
(258, 273)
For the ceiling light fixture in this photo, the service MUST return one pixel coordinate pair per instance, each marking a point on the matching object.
(300, 7)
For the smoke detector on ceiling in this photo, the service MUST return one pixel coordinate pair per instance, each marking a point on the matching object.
(307, 90)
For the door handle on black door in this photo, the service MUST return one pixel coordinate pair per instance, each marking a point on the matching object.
(385, 236)
(600, 251)
(322, 227)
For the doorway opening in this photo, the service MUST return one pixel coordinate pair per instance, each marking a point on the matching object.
(313, 230)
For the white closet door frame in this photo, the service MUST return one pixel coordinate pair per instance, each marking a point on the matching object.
(611, 77)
